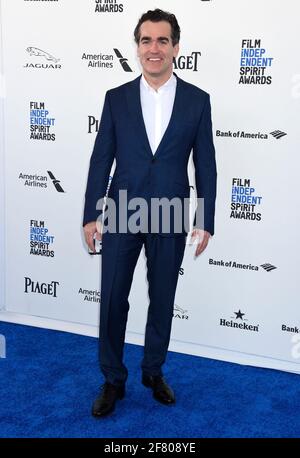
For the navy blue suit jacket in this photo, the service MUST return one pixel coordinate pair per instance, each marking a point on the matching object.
(122, 136)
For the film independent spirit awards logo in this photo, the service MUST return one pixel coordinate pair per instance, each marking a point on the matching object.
(42, 59)
(113, 6)
(245, 203)
(108, 6)
(41, 122)
(255, 64)
(41, 240)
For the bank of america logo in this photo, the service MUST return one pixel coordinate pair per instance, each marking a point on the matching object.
(268, 267)
(278, 134)
(123, 61)
(55, 182)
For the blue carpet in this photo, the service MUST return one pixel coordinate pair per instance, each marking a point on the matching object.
(49, 380)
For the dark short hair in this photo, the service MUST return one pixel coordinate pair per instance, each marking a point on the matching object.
(158, 15)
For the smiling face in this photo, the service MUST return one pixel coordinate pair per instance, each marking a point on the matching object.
(155, 49)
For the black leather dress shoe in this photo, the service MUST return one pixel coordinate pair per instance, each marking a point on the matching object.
(162, 392)
(106, 401)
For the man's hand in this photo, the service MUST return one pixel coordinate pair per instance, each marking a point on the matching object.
(92, 230)
(202, 237)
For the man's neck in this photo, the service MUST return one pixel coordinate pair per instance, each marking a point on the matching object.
(157, 82)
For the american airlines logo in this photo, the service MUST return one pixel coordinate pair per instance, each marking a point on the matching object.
(123, 61)
(278, 134)
(40, 181)
(105, 60)
(55, 182)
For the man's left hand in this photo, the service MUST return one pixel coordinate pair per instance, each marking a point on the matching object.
(202, 237)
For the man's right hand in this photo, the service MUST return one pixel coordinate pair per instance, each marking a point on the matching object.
(92, 230)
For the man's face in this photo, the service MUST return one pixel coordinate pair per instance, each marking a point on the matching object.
(155, 48)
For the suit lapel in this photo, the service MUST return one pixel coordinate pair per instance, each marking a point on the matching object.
(135, 109)
(175, 116)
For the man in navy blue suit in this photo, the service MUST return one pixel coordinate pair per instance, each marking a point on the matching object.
(149, 126)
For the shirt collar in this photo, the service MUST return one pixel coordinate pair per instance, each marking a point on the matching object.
(172, 81)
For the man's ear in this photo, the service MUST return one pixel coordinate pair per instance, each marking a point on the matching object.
(176, 50)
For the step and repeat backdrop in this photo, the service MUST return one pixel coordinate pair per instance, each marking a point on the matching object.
(240, 300)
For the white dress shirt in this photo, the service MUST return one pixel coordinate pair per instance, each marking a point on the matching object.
(157, 107)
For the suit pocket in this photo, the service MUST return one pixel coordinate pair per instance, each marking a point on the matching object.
(116, 185)
(182, 188)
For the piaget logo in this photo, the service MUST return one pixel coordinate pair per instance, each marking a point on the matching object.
(93, 124)
(188, 62)
(36, 287)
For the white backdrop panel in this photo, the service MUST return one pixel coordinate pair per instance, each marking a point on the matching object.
(242, 295)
